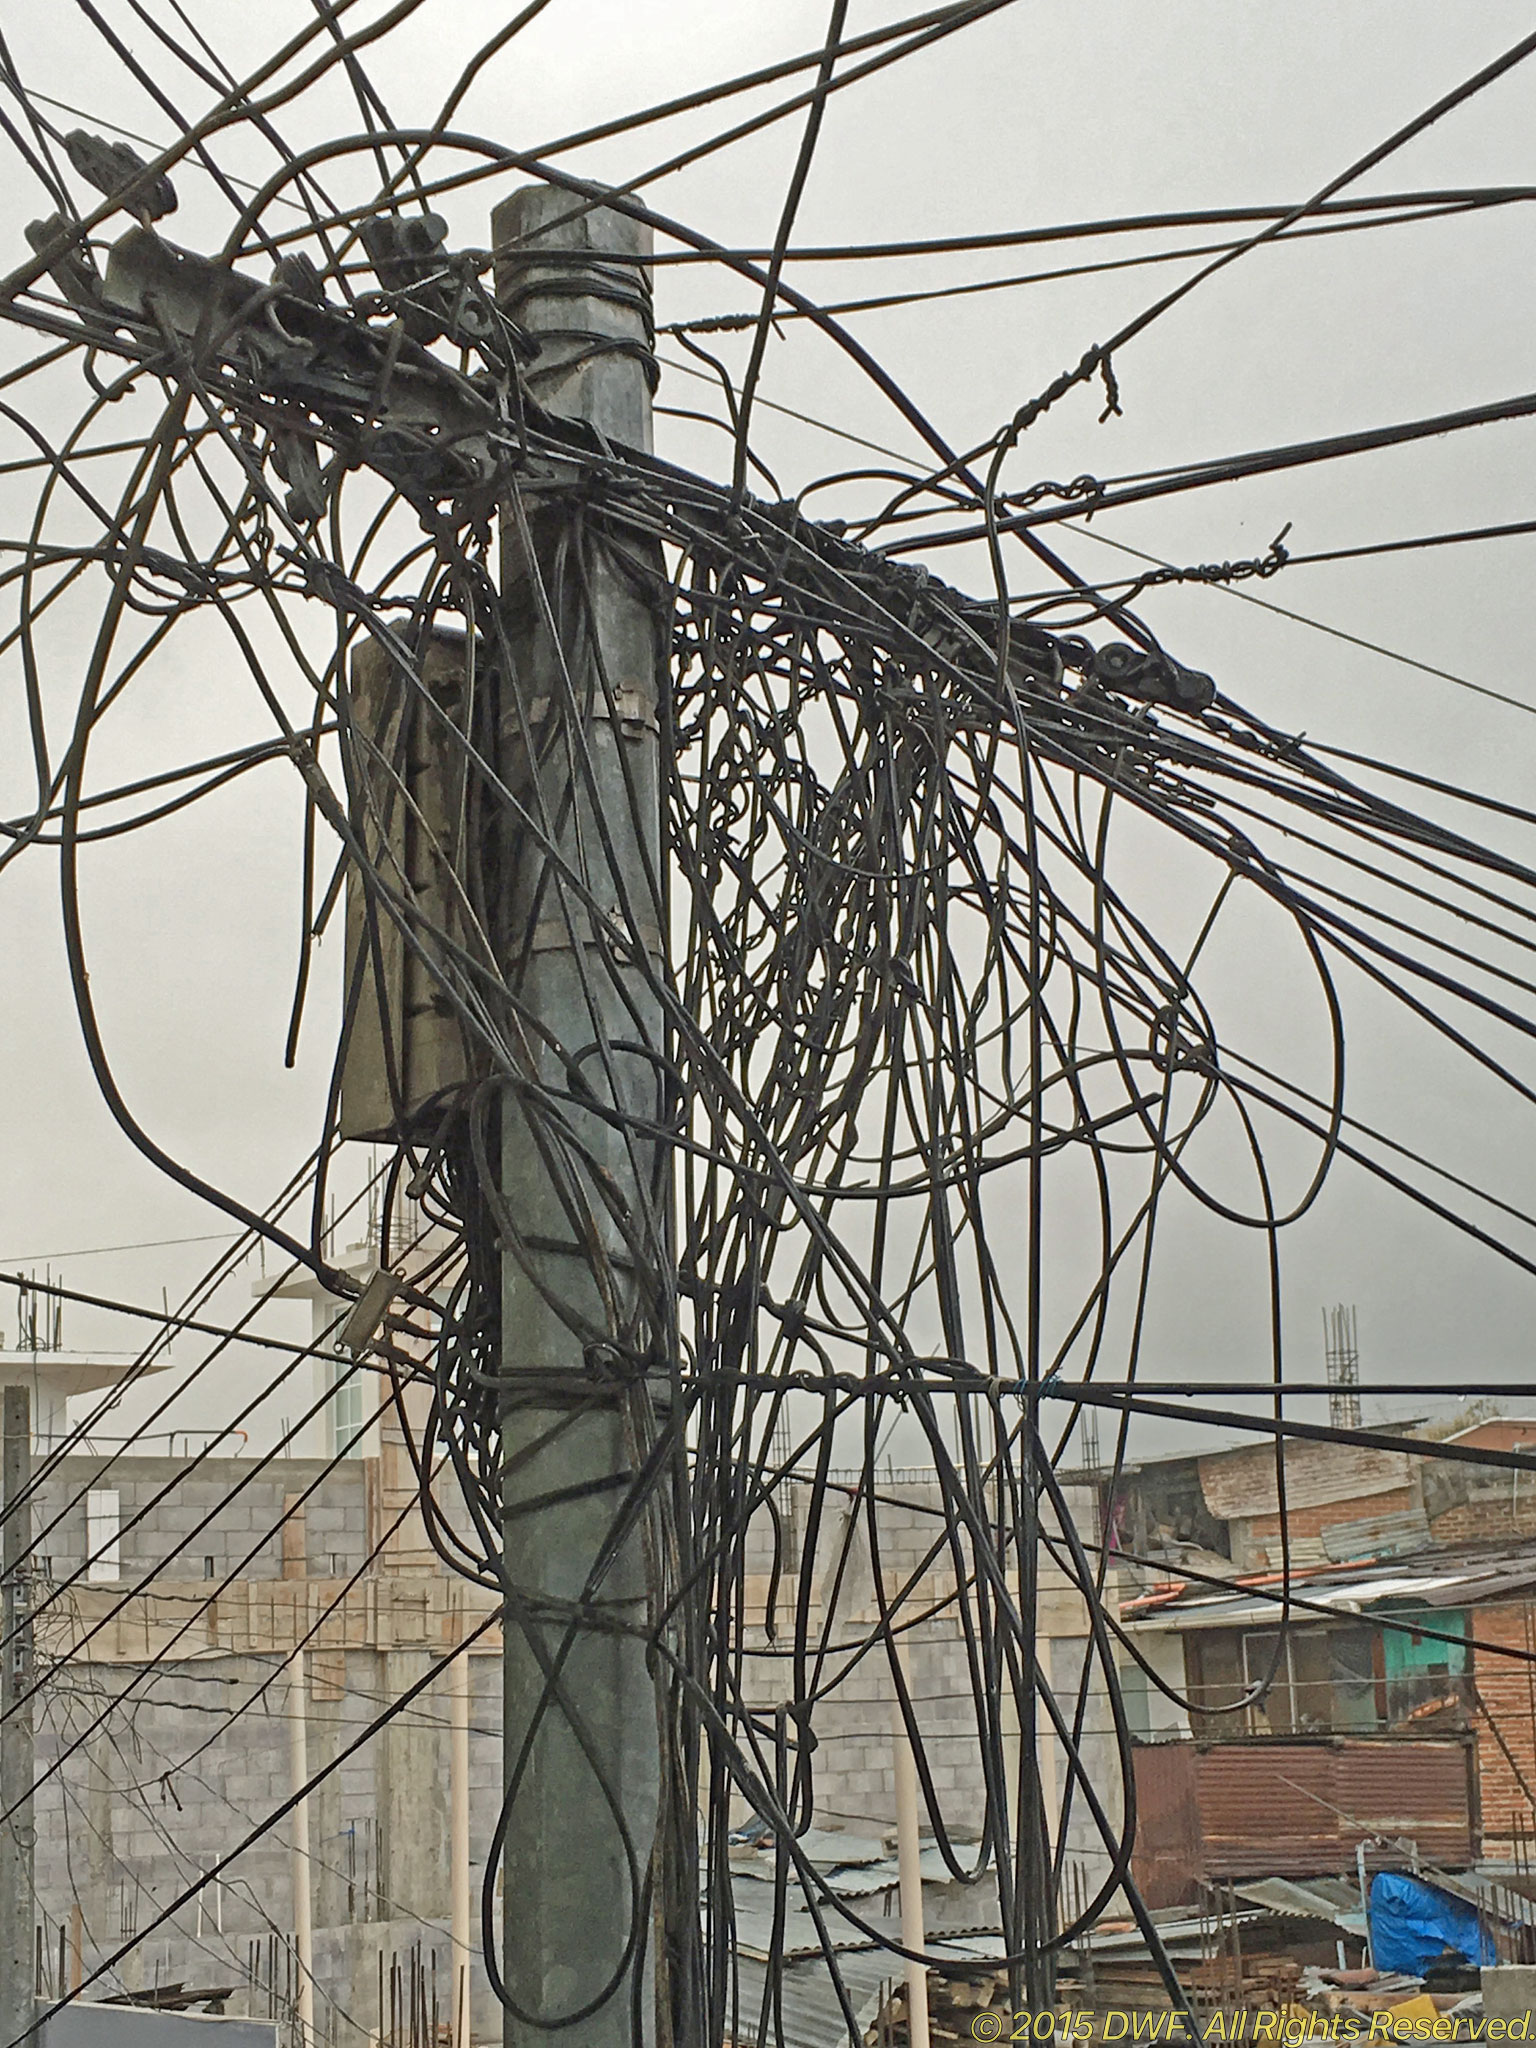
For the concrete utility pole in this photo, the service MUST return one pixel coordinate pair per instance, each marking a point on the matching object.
(580, 749)
(18, 1961)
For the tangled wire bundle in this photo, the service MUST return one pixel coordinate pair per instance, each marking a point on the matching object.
(859, 974)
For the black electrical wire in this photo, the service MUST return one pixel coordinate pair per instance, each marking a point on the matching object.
(883, 986)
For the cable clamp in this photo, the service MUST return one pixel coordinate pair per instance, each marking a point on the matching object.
(368, 1312)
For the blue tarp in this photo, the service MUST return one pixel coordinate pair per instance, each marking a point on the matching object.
(1412, 1923)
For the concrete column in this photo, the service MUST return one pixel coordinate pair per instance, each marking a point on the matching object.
(462, 1953)
(328, 1848)
(298, 1835)
(100, 1855)
(412, 1805)
(18, 1958)
(579, 726)
(909, 1859)
(1509, 1992)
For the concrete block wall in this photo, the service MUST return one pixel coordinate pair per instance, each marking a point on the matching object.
(98, 2026)
(353, 1969)
(213, 1517)
(151, 1777)
(204, 1519)
(851, 1767)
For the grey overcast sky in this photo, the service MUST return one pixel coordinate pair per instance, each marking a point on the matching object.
(1040, 114)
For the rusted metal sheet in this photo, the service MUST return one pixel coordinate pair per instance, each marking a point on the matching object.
(1167, 1865)
(1265, 1808)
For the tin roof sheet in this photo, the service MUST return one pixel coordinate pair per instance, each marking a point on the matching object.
(1370, 1536)
(1320, 1898)
(1488, 1893)
(1436, 1578)
(798, 1938)
(806, 2012)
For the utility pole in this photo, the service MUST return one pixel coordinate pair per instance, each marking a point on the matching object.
(909, 1857)
(460, 1929)
(303, 1897)
(18, 1962)
(584, 904)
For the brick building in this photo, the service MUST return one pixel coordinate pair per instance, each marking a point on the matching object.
(1416, 1574)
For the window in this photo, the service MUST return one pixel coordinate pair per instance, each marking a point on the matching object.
(1138, 1702)
(1423, 1670)
(1213, 1666)
(1356, 1698)
(346, 1409)
(1323, 1680)
(103, 1521)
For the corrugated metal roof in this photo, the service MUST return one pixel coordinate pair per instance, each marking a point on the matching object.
(863, 1880)
(807, 2012)
(798, 1937)
(1486, 1892)
(1281, 1807)
(858, 1879)
(1488, 1584)
(1297, 1809)
(1167, 1863)
(978, 1948)
(1199, 1608)
(1436, 1577)
(825, 1847)
(829, 1846)
(1322, 1898)
(1378, 1536)
(1278, 1808)
(1176, 1935)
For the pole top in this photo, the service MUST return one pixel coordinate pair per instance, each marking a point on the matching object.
(577, 276)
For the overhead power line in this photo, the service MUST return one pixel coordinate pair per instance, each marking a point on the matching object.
(94, 1251)
(754, 946)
